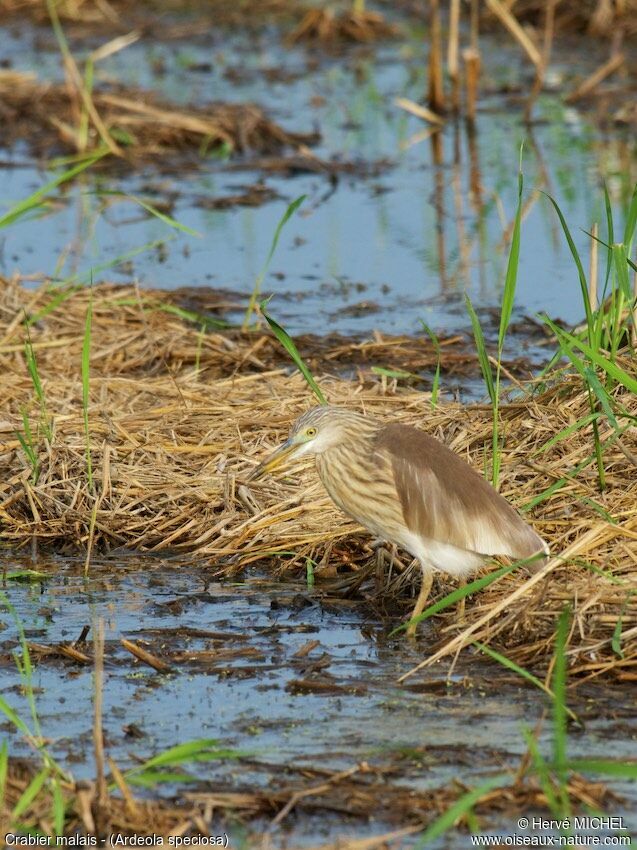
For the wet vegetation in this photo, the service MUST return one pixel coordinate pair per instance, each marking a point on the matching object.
(187, 653)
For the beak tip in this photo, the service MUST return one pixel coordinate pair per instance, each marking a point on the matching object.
(272, 462)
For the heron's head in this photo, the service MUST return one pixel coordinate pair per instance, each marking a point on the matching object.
(314, 432)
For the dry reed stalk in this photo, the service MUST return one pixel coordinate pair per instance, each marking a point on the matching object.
(452, 53)
(547, 43)
(323, 25)
(145, 656)
(418, 110)
(77, 92)
(505, 16)
(435, 91)
(471, 58)
(181, 443)
(589, 85)
(120, 781)
(601, 20)
(440, 191)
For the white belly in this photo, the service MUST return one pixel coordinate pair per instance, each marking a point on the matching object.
(441, 556)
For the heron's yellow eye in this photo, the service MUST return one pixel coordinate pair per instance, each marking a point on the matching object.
(310, 432)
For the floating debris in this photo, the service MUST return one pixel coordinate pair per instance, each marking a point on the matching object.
(326, 26)
(137, 122)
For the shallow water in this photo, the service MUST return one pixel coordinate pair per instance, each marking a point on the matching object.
(382, 251)
(371, 252)
(243, 694)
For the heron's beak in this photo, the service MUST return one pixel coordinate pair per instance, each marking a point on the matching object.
(276, 459)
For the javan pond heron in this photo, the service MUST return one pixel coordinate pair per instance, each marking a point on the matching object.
(409, 489)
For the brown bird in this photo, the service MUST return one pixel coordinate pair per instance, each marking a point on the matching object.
(408, 488)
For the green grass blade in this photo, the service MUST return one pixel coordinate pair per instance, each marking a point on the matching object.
(631, 221)
(610, 229)
(309, 573)
(4, 769)
(82, 278)
(26, 576)
(30, 793)
(616, 642)
(510, 281)
(624, 769)
(203, 749)
(435, 387)
(400, 374)
(152, 778)
(542, 770)
(601, 394)
(28, 446)
(580, 268)
(287, 342)
(612, 369)
(455, 596)
(572, 473)
(593, 387)
(608, 246)
(163, 217)
(560, 739)
(483, 357)
(14, 717)
(86, 357)
(25, 669)
(36, 198)
(595, 506)
(287, 215)
(620, 262)
(32, 367)
(70, 285)
(461, 807)
(566, 432)
(525, 674)
(511, 665)
(58, 809)
(206, 322)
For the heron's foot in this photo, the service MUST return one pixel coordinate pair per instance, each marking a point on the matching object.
(419, 607)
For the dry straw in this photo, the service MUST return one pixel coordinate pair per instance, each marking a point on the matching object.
(172, 446)
(47, 115)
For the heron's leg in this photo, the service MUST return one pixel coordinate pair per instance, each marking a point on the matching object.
(460, 608)
(419, 607)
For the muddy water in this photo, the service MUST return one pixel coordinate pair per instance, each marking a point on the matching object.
(377, 251)
(237, 676)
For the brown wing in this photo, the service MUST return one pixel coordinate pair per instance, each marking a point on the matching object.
(443, 499)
